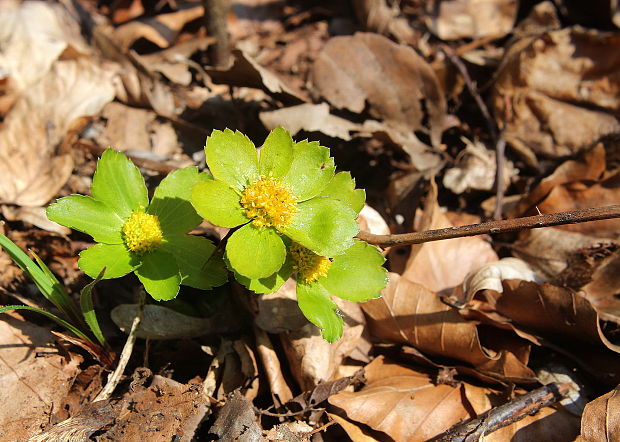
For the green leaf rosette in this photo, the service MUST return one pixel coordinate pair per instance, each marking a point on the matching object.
(135, 235)
(272, 195)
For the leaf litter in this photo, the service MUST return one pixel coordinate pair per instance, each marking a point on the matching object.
(464, 326)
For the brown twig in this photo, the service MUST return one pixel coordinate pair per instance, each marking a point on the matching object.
(504, 415)
(494, 227)
(215, 23)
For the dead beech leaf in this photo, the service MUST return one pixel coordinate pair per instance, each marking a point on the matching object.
(33, 376)
(35, 126)
(161, 29)
(409, 313)
(312, 359)
(366, 69)
(126, 127)
(442, 265)
(557, 93)
(455, 19)
(356, 433)
(601, 418)
(476, 168)
(280, 391)
(604, 286)
(310, 118)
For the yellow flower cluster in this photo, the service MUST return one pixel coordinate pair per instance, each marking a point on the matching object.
(308, 265)
(269, 203)
(142, 233)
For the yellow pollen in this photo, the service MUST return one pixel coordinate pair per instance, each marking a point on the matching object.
(308, 265)
(269, 203)
(142, 233)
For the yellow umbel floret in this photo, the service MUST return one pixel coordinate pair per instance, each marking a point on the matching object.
(142, 233)
(308, 265)
(269, 203)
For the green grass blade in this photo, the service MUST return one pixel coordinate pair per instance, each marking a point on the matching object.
(88, 310)
(52, 316)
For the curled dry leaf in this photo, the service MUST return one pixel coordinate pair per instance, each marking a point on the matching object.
(557, 93)
(365, 69)
(601, 418)
(409, 313)
(476, 168)
(455, 19)
(31, 172)
(603, 288)
(406, 405)
(30, 384)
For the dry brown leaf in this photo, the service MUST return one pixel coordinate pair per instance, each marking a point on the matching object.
(442, 265)
(126, 127)
(31, 172)
(310, 118)
(280, 391)
(409, 313)
(455, 19)
(406, 405)
(236, 421)
(353, 431)
(604, 287)
(601, 418)
(161, 30)
(312, 359)
(476, 168)
(557, 93)
(33, 377)
(353, 72)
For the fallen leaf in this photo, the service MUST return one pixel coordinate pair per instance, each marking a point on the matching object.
(365, 69)
(409, 313)
(33, 376)
(603, 288)
(456, 19)
(553, 93)
(280, 391)
(236, 421)
(600, 419)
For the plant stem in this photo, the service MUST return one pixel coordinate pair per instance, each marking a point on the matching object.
(215, 23)
(115, 377)
(493, 227)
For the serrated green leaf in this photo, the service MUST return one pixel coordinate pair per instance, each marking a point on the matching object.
(219, 204)
(114, 257)
(88, 215)
(276, 155)
(88, 310)
(255, 253)
(192, 254)
(317, 306)
(311, 170)
(342, 188)
(119, 184)
(357, 274)
(171, 201)
(159, 274)
(271, 283)
(324, 225)
(232, 158)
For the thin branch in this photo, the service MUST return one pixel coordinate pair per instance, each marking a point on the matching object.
(494, 227)
(504, 415)
(115, 377)
(215, 23)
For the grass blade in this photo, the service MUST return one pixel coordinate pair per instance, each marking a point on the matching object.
(88, 310)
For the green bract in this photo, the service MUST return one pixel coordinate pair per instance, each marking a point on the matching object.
(134, 235)
(282, 193)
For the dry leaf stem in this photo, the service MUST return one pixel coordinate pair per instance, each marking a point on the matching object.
(115, 377)
(504, 415)
(494, 227)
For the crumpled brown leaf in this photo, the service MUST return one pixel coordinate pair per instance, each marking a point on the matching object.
(557, 93)
(455, 19)
(365, 69)
(409, 313)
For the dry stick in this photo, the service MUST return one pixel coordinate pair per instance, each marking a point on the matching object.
(504, 415)
(498, 139)
(115, 377)
(215, 23)
(494, 227)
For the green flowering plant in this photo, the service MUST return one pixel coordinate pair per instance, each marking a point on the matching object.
(135, 235)
(271, 197)
(356, 275)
